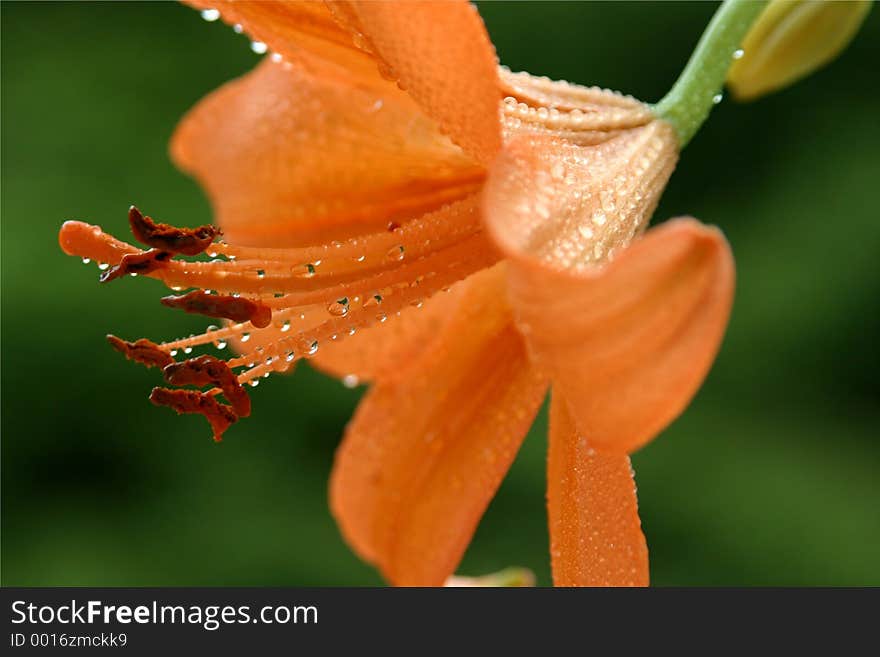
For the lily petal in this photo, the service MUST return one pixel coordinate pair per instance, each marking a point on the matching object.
(424, 455)
(628, 344)
(288, 158)
(595, 532)
(569, 206)
(438, 51)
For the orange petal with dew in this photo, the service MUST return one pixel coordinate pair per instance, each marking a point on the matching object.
(424, 454)
(595, 533)
(627, 345)
(571, 206)
(439, 52)
(289, 158)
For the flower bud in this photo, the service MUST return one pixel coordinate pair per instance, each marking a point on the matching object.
(790, 40)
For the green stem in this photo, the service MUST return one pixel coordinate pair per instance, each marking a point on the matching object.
(698, 88)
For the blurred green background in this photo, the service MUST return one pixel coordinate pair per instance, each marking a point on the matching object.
(770, 478)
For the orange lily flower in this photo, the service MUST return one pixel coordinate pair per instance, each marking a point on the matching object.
(379, 165)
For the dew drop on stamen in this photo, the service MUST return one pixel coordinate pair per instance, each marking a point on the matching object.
(172, 353)
(187, 350)
(396, 253)
(290, 356)
(285, 326)
(339, 308)
(210, 15)
(717, 98)
(237, 28)
(276, 57)
(305, 271)
(350, 380)
(103, 266)
(86, 260)
(259, 47)
(254, 383)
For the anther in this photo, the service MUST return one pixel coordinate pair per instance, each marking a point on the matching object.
(220, 416)
(142, 351)
(188, 241)
(237, 309)
(207, 370)
(137, 263)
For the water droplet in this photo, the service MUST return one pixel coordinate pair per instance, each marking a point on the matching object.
(86, 261)
(339, 308)
(245, 337)
(261, 273)
(306, 271)
(374, 300)
(381, 317)
(220, 344)
(187, 350)
(103, 266)
(350, 380)
(259, 47)
(210, 15)
(361, 258)
(289, 357)
(313, 348)
(285, 326)
(176, 288)
(717, 98)
(276, 57)
(172, 353)
(738, 53)
(254, 383)
(396, 253)
(237, 28)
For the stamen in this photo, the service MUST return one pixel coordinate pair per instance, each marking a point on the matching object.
(220, 416)
(207, 370)
(282, 303)
(141, 351)
(136, 263)
(188, 241)
(237, 309)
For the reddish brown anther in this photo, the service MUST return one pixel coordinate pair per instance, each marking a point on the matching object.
(218, 415)
(142, 351)
(238, 309)
(207, 370)
(137, 263)
(188, 241)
